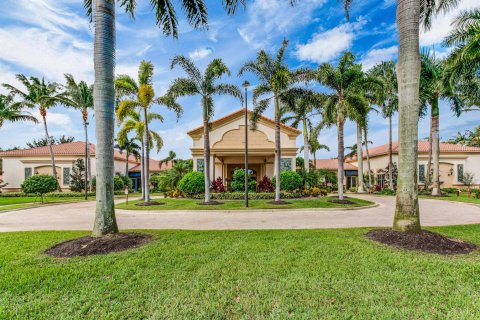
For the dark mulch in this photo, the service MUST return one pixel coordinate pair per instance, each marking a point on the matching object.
(150, 203)
(421, 241)
(279, 202)
(86, 246)
(210, 203)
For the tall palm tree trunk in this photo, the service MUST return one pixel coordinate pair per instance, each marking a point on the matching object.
(206, 151)
(104, 104)
(147, 156)
(390, 157)
(341, 146)
(306, 147)
(126, 163)
(142, 173)
(360, 187)
(368, 158)
(43, 113)
(278, 152)
(428, 177)
(436, 147)
(407, 213)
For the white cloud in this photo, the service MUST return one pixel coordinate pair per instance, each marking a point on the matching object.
(441, 25)
(144, 50)
(200, 53)
(268, 18)
(376, 56)
(326, 45)
(47, 54)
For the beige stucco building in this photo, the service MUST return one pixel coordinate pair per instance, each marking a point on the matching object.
(455, 160)
(20, 164)
(227, 146)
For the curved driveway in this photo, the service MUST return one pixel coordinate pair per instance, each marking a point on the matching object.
(79, 216)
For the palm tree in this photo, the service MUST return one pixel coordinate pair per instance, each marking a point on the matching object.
(42, 95)
(433, 87)
(80, 96)
(344, 101)
(387, 98)
(130, 147)
(409, 14)
(463, 64)
(141, 95)
(302, 105)
(13, 112)
(205, 86)
(171, 157)
(275, 79)
(102, 13)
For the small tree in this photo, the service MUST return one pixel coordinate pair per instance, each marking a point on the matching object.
(238, 181)
(39, 185)
(467, 179)
(77, 177)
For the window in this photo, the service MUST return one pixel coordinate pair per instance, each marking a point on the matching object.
(28, 172)
(66, 176)
(421, 173)
(459, 172)
(285, 164)
(200, 165)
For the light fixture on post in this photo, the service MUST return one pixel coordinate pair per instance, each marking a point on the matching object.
(246, 84)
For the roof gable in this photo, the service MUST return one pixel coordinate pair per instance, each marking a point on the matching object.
(240, 113)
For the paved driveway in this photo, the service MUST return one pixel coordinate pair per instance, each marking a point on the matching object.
(79, 216)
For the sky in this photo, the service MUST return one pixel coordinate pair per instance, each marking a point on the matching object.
(48, 38)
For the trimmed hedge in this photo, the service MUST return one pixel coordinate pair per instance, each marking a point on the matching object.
(52, 194)
(251, 196)
(289, 180)
(192, 183)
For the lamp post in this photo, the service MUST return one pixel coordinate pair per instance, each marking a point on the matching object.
(246, 84)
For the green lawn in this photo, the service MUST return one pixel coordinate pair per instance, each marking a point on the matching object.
(9, 203)
(281, 274)
(188, 204)
(453, 197)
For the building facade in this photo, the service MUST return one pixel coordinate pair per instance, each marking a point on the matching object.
(227, 146)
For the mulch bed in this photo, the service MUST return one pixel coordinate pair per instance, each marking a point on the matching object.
(279, 202)
(86, 246)
(150, 203)
(344, 201)
(210, 203)
(425, 241)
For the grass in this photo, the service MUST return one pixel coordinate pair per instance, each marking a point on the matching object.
(267, 274)
(188, 204)
(453, 197)
(9, 203)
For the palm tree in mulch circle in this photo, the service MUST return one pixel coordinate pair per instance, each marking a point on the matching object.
(205, 86)
(13, 112)
(131, 148)
(41, 95)
(102, 13)
(79, 95)
(275, 80)
(140, 95)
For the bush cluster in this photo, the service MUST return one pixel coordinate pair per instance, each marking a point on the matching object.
(192, 183)
(52, 194)
(238, 181)
(449, 190)
(251, 196)
(265, 185)
(289, 181)
(387, 192)
(217, 185)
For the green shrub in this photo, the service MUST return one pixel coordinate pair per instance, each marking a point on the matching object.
(118, 183)
(127, 182)
(52, 194)
(387, 192)
(39, 184)
(289, 180)
(449, 190)
(251, 196)
(192, 183)
(238, 181)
